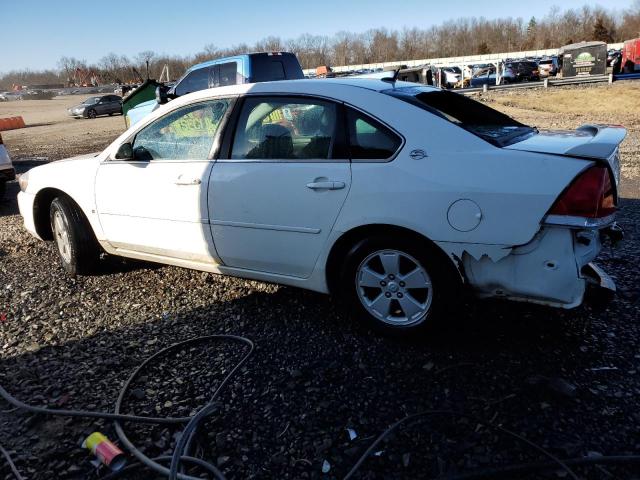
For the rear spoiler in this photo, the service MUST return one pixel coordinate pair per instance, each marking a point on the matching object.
(606, 139)
(604, 146)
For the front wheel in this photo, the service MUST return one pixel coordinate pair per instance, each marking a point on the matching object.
(397, 286)
(77, 247)
(92, 114)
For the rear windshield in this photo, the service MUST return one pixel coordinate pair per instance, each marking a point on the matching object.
(475, 117)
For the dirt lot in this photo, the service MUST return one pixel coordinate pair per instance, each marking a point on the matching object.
(566, 380)
(52, 134)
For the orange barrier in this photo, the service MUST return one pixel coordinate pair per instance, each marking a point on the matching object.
(11, 123)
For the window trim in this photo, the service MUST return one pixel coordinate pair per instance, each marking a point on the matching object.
(391, 158)
(215, 147)
(340, 142)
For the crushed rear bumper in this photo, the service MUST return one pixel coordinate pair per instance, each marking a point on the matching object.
(553, 269)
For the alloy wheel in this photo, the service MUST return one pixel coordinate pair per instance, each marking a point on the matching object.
(394, 288)
(61, 236)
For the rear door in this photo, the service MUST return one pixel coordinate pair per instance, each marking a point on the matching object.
(275, 197)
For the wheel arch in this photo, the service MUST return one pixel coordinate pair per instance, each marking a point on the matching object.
(41, 206)
(351, 237)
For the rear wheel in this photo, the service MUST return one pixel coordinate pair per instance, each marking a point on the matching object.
(77, 247)
(397, 286)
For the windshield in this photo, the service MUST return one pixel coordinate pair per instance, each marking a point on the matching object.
(475, 117)
(91, 101)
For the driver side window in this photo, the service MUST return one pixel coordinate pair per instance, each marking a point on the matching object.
(186, 134)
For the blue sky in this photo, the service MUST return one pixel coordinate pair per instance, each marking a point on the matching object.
(35, 34)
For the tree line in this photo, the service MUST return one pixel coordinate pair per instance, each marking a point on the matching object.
(463, 36)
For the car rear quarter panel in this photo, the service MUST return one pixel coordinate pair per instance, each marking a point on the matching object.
(513, 190)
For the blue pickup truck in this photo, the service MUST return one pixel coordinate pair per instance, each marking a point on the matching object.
(247, 68)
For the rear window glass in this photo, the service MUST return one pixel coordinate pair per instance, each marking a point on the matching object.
(475, 117)
(227, 75)
(368, 139)
(266, 68)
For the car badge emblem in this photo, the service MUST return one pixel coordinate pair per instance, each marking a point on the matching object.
(418, 154)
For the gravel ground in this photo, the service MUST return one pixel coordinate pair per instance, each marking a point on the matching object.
(567, 380)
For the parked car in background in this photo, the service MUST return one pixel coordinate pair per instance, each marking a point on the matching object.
(95, 106)
(548, 67)
(249, 68)
(613, 54)
(391, 196)
(452, 76)
(487, 76)
(524, 70)
(7, 172)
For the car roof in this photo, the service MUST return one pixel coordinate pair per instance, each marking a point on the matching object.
(216, 61)
(314, 86)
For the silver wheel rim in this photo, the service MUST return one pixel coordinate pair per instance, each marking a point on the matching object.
(394, 288)
(61, 236)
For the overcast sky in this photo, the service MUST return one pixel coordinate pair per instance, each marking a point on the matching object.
(36, 33)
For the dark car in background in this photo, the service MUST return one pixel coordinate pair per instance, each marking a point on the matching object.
(94, 106)
(524, 70)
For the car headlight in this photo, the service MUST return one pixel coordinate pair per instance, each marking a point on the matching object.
(23, 181)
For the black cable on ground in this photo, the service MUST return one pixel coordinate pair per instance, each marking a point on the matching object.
(421, 415)
(12, 465)
(117, 417)
(165, 458)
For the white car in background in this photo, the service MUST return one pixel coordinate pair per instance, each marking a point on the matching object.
(7, 172)
(389, 195)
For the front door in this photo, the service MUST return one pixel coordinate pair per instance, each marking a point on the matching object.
(156, 202)
(273, 203)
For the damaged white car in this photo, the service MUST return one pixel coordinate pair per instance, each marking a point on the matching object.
(389, 195)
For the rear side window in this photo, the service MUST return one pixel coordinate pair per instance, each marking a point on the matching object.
(285, 129)
(269, 67)
(227, 74)
(369, 139)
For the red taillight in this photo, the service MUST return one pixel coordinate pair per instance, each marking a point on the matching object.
(590, 195)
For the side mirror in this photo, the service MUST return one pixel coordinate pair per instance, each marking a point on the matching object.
(162, 96)
(125, 152)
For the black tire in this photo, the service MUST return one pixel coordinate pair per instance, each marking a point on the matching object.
(82, 250)
(92, 113)
(110, 114)
(3, 189)
(445, 283)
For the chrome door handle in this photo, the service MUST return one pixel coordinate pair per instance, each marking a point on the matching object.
(183, 181)
(328, 185)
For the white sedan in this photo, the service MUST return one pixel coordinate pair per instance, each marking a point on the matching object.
(7, 172)
(391, 196)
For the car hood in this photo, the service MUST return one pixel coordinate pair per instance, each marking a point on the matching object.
(80, 105)
(85, 156)
(597, 142)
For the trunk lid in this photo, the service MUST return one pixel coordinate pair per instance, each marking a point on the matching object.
(595, 142)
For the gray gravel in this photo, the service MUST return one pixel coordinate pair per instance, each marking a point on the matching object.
(71, 343)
